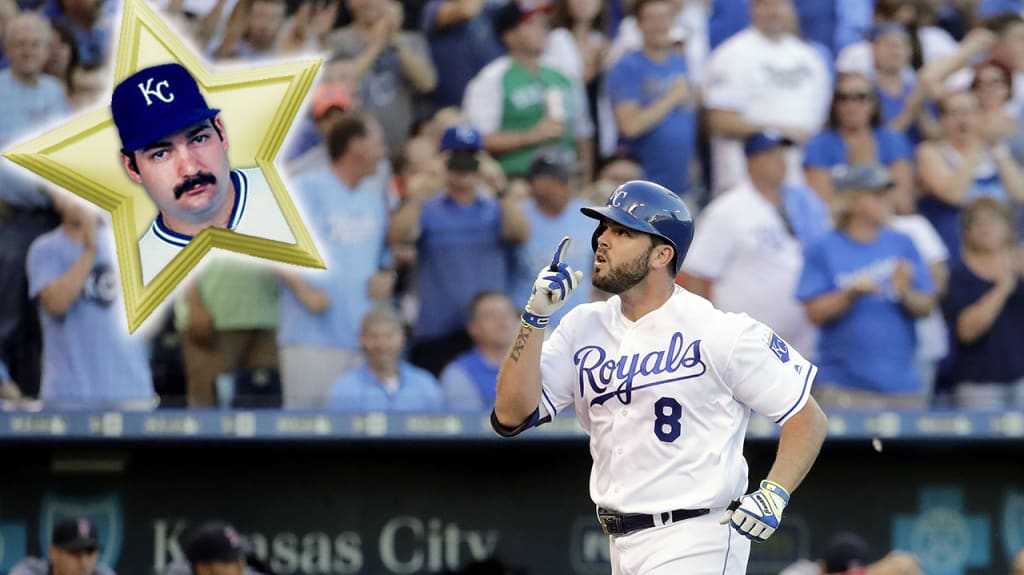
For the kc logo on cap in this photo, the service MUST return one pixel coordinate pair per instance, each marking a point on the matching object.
(156, 102)
(148, 90)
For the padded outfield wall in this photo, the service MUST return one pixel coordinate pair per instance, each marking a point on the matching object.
(320, 494)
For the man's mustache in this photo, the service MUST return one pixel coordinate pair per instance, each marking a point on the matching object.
(202, 178)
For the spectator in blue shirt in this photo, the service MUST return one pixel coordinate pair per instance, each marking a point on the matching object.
(855, 136)
(320, 309)
(89, 26)
(553, 213)
(864, 284)
(31, 100)
(384, 382)
(464, 240)
(900, 102)
(469, 381)
(985, 307)
(654, 102)
(462, 42)
(89, 360)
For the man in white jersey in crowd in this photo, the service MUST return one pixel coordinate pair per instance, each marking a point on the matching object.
(176, 147)
(762, 79)
(664, 384)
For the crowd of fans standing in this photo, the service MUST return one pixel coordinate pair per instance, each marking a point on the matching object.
(854, 168)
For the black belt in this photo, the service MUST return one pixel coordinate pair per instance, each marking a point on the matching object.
(613, 523)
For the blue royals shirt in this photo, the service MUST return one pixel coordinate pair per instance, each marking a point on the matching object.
(827, 149)
(470, 382)
(350, 226)
(360, 390)
(871, 347)
(89, 359)
(460, 254)
(666, 149)
(26, 108)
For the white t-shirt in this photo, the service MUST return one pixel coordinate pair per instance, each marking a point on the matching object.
(932, 337)
(777, 83)
(256, 214)
(742, 245)
(666, 399)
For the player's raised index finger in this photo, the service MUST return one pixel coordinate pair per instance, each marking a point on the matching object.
(563, 246)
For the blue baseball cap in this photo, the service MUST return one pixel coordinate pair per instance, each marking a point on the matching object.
(461, 137)
(156, 102)
(764, 141)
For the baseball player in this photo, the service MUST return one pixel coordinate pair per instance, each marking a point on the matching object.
(664, 384)
(176, 147)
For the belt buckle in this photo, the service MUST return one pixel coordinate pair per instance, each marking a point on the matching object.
(611, 523)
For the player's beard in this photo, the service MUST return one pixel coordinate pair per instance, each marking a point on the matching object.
(621, 278)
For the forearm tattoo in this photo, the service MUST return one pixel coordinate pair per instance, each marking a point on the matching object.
(521, 339)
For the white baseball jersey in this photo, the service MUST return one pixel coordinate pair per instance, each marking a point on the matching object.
(666, 399)
(776, 83)
(256, 213)
(743, 246)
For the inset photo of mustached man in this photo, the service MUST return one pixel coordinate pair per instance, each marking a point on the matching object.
(176, 147)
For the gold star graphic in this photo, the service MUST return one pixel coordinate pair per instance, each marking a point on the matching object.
(257, 107)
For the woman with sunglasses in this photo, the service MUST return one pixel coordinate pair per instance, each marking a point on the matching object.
(855, 136)
(962, 166)
(985, 310)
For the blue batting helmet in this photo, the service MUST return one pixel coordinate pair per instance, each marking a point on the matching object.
(649, 208)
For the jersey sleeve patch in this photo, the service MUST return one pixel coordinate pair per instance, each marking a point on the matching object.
(778, 346)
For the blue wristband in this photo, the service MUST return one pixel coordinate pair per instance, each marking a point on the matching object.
(776, 489)
(535, 321)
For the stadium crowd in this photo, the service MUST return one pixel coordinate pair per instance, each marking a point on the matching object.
(854, 168)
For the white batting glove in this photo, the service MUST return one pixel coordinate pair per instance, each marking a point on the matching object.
(757, 515)
(552, 288)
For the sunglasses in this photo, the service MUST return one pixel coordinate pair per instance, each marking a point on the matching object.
(853, 96)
